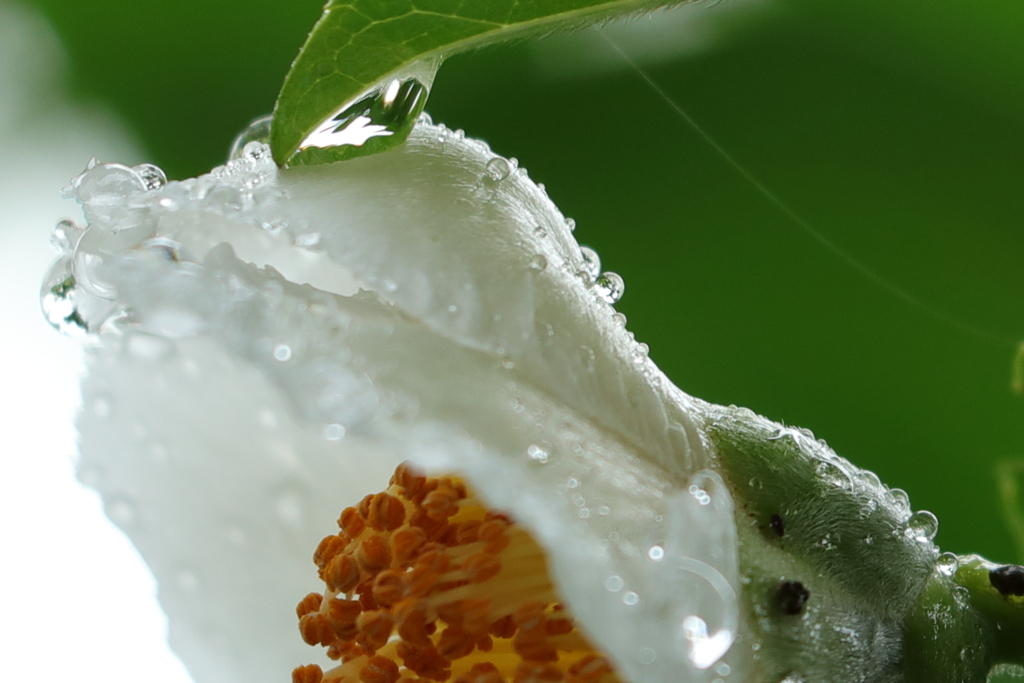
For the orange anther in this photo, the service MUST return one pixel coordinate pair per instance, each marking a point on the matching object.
(410, 481)
(530, 616)
(558, 627)
(441, 503)
(316, 630)
(484, 672)
(373, 553)
(493, 534)
(328, 549)
(530, 672)
(379, 670)
(310, 673)
(589, 669)
(388, 588)
(342, 615)
(485, 644)
(504, 627)
(310, 603)
(455, 643)
(386, 513)
(424, 662)
(411, 618)
(433, 528)
(364, 506)
(405, 543)
(346, 651)
(481, 567)
(342, 574)
(374, 629)
(467, 532)
(351, 522)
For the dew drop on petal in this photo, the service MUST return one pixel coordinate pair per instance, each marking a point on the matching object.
(538, 262)
(591, 262)
(153, 177)
(922, 526)
(497, 169)
(614, 583)
(610, 287)
(630, 598)
(947, 564)
(656, 553)
(256, 132)
(334, 432)
(282, 352)
(537, 453)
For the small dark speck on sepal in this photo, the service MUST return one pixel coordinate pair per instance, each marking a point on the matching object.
(1008, 579)
(778, 525)
(791, 597)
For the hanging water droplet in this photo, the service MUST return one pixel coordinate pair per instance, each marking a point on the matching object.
(610, 287)
(497, 169)
(282, 353)
(256, 132)
(538, 262)
(537, 453)
(57, 299)
(656, 553)
(377, 120)
(591, 262)
(570, 223)
(153, 177)
(922, 526)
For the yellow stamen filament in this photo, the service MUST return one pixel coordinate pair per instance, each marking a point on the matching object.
(424, 583)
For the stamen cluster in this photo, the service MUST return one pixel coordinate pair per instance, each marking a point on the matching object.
(424, 583)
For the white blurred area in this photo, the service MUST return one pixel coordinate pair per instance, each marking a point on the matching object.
(76, 600)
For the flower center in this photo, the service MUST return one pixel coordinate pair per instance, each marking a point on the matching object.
(425, 583)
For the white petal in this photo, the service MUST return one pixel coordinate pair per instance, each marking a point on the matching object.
(239, 410)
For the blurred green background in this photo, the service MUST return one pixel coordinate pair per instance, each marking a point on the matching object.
(894, 128)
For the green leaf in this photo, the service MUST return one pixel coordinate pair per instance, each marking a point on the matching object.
(359, 47)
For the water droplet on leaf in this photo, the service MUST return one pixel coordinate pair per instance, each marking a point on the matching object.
(365, 125)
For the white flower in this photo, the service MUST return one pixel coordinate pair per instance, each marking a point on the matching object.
(273, 344)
